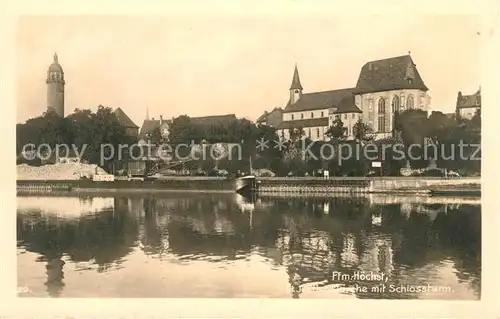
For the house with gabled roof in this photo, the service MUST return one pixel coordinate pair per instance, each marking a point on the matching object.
(468, 105)
(130, 127)
(272, 118)
(384, 87)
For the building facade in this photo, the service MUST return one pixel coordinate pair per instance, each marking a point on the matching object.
(384, 87)
(468, 105)
(55, 87)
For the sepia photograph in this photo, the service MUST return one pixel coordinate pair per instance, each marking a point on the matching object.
(253, 156)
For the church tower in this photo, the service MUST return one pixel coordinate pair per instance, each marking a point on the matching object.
(296, 87)
(55, 87)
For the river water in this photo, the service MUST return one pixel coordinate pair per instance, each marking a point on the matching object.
(222, 245)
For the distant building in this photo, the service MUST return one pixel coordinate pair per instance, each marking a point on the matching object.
(384, 87)
(468, 105)
(149, 125)
(55, 87)
(273, 118)
(130, 127)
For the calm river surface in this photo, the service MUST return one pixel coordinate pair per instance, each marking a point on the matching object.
(220, 245)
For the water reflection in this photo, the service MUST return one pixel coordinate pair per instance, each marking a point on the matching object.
(304, 240)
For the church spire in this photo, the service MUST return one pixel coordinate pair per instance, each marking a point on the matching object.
(296, 80)
(56, 60)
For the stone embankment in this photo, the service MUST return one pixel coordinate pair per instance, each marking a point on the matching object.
(60, 171)
(361, 185)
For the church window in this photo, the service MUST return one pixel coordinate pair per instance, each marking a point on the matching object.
(410, 103)
(309, 132)
(317, 132)
(312, 115)
(296, 91)
(381, 115)
(395, 104)
(302, 115)
(322, 114)
(292, 117)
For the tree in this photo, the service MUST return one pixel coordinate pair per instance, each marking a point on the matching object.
(88, 131)
(337, 131)
(362, 132)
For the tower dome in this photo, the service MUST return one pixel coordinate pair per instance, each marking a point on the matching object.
(55, 66)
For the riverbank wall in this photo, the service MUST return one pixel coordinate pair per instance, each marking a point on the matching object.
(357, 185)
(266, 186)
(188, 184)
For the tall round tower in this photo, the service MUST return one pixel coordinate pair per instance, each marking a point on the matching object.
(55, 87)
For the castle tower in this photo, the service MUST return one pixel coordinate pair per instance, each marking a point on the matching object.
(296, 87)
(55, 87)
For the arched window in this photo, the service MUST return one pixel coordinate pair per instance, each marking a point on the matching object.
(381, 115)
(312, 115)
(395, 104)
(296, 91)
(317, 132)
(410, 103)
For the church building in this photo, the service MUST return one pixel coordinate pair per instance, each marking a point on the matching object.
(384, 87)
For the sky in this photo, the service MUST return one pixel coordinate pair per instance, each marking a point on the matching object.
(214, 65)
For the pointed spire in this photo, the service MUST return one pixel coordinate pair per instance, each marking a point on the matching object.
(296, 80)
(56, 60)
(147, 113)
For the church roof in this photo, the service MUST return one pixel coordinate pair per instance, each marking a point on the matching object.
(390, 74)
(322, 100)
(296, 80)
(123, 119)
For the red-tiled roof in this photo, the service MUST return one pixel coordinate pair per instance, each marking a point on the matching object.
(123, 119)
(390, 74)
(320, 100)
